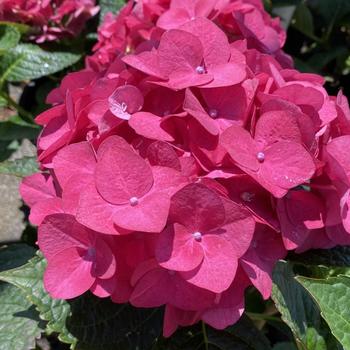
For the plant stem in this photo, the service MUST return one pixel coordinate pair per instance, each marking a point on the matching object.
(205, 336)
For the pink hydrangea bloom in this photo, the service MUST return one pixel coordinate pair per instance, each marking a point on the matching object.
(50, 19)
(185, 160)
(148, 19)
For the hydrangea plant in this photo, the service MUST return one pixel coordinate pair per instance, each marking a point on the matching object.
(180, 165)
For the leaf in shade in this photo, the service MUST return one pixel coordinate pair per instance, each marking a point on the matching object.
(330, 10)
(321, 59)
(87, 322)
(285, 346)
(334, 257)
(246, 331)
(15, 255)
(99, 324)
(15, 128)
(332, 296)
(298, 310)
(303, 20)
(241, 336)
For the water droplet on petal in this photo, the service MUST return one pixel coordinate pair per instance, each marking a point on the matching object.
(260, 156)
(213, 113)
(197, 236)
(200, 70)
(134, 201)
(124, 106)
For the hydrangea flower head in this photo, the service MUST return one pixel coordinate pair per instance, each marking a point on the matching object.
(185, 160)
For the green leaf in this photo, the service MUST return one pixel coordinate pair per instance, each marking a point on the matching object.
(109, 326)
(298, 310)
(19, 321)
(28, 61)
(245, 331)
(22, 28)
(332, 295)
(3, 102)
(15, 255)
(29, 279)
(330, 10)
(222, 340)
(87, 322)
(285, 346)
(286, 13)
(9, 37)
(15, 128)
(110, 6)
(320, 60)
(241, 336)
(303, 20)
(19, 167)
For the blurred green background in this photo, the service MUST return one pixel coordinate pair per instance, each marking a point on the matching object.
(318, 37)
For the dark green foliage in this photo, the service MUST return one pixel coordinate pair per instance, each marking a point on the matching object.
(318, 37)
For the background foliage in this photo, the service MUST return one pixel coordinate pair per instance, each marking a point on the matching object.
(310, 305)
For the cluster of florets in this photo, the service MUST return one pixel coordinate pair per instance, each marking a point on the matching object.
(143, 24)
(49, 19)
(180, 172)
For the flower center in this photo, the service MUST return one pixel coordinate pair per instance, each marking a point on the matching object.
(197, 236)
(91, 252)
(247, 196)
(213, 113)
(260, 156)
(134, 201)
(200, 70)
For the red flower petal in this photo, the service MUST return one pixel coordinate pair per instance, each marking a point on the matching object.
(117, 176)
(212, 39)
(241, 147)
(194, 108)
(198, 208)
(178, 250)
(149, 125)
(68, 275)
(218, 268)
